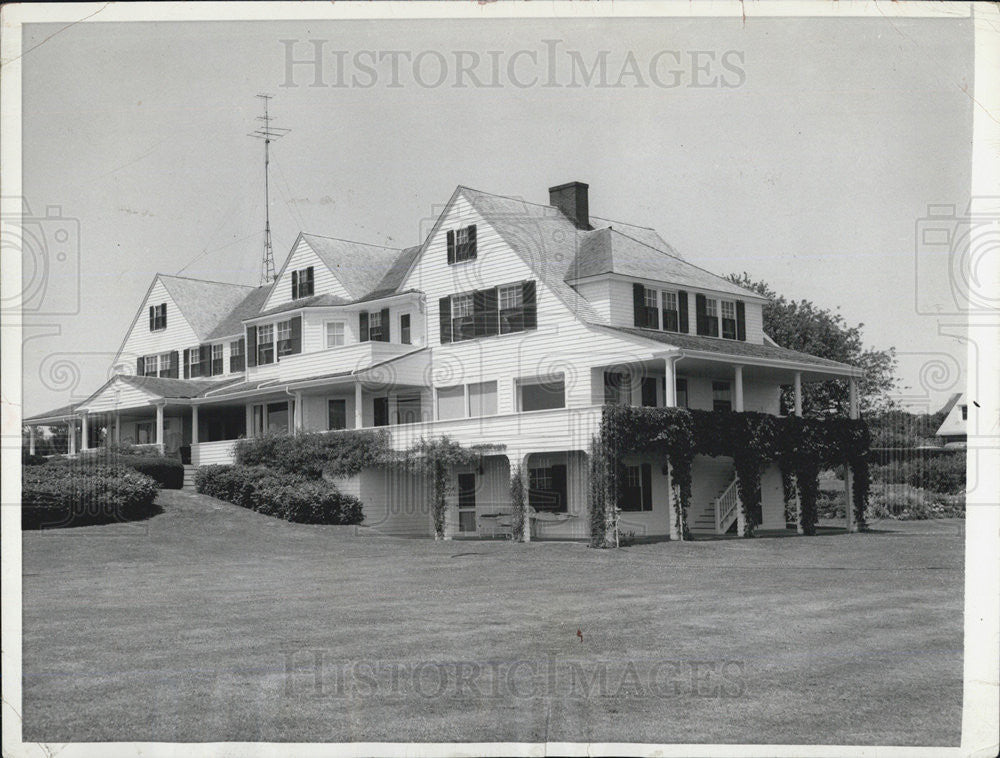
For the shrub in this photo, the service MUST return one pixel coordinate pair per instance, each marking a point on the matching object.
(314, 453)
(27, 459)
(167, 472)
(939, 473)
(61, 496)
(906, 503)
(292, 497)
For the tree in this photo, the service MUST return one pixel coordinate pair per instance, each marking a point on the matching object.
(435, 458)
(801, 325)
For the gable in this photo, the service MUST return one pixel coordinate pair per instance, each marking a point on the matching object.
(303, 256)
(205, 304)
(139, 340)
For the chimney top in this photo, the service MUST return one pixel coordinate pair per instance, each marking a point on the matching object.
(571, 198)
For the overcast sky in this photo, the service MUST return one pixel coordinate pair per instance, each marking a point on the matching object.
(807, 159)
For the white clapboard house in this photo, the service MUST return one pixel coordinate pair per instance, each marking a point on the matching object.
(512, 324)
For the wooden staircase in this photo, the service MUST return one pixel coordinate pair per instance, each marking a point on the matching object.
(189, 476)
(715, 514)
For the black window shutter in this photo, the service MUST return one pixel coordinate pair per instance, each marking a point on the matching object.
(163, 306)
(251, 346)
(205, 360)
(530, 304)
(639, 305)
(174, 360)
(700, 315)
(363, 326)
(152, 317)
(296, 339)
(487, 315)
(444, 317)
(741, 321)
(309, 281)
(472, 242)
(295, 285)
(385, 325)
(682, 312)
(451, 246)
(187, 363)
(647, 486)
(140, 366)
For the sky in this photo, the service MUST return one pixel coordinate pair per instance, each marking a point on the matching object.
(803, 151)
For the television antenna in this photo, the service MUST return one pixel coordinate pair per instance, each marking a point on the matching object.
(267, 132)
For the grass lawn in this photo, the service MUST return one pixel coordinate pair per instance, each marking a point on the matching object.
(212, 623)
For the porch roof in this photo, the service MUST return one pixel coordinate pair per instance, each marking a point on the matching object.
(737, 350)
(173, 388)
(58, 415)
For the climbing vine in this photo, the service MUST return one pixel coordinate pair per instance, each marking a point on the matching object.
(518, 506)
(801, 447)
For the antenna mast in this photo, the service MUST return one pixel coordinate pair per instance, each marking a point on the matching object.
(267, 133)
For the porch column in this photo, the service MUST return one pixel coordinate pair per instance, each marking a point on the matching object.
(741, 521)
(525, 479)
(71, 439)
(84, 437)
(738, 389)
(670, 382)
(852, 388)
(674, 505)
(159, 427)
(31, 440)
(798, 393)
(359, 417)
(194, 425)
(118, 428)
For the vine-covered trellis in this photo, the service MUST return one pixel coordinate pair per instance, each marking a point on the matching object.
(798, 446)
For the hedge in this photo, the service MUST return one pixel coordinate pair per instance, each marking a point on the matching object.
(945, 473)
(61, 496)
(293, 497)
(312, 454)
(167, 472)
(27, 459)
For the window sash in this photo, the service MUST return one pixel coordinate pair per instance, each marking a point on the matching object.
(165, 366)
(540, 478)
(535, 395)
(483, 399)
(336, 413)
(159, 317)
(722, 396)
(149, 365)
(451, 402)
(335, 333)
(404, 328)
(235, 349)
(681, 391)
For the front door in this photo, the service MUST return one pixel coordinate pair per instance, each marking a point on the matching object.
(466, 503)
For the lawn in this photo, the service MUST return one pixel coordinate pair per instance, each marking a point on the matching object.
(212, 623)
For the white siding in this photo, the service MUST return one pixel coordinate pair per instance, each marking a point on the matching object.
(621, 313)
(561, 344)
(598, 293)
(117, 395)
(206, 453)
(141, 341)
(393, 501)
(324, 282)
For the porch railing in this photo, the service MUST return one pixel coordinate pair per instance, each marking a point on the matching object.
(727, 507)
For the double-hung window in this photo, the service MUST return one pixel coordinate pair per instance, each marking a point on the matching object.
(650, 299)
(375, 326)
(236, 356)
(462, 244)
(149, 365)
(671, 313)
(194, 361)
(722, 396)
(712, 317)
(165, 364)
(265, 344)
(729, 319)
(463, 322)
(218, 367)
(284, 338)
(334, 333)
(157, 317)
(511, 301)
(302, 283)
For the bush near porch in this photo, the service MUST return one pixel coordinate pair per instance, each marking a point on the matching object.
(56, 495)
(293, 497)
(314, 453)
(167, 472)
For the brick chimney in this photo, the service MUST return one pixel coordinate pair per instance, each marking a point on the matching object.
(571, 199)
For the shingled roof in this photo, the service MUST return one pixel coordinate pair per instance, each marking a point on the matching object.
(249, 307)
(734, 348)
(205, 305)
(358, 266)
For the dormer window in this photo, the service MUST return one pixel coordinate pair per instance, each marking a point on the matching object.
(158, 317)
(462, 244)
(302, 283)
(965, 413)
(711, 317)
(671, 315)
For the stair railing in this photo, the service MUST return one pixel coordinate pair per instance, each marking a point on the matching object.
(726, 506)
